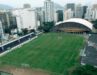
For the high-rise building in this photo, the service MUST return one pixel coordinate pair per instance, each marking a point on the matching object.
(55, 16)
(78, 11)
(91, 13)
(49, 10)
(72, 7)
(1, 31)
(26, 18)
(59, 15)
(8, 20)
(88, 14)
(40, 15)
(94, 6)
(94, 12)
(84, 11)
(27, 6)
(68, 14)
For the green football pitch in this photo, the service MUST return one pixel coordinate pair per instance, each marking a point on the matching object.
(53, 52)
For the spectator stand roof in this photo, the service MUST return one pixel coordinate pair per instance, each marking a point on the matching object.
(80, 21)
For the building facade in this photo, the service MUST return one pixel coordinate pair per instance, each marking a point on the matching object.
(72, 7)
(27, 6)
(78, 11)
(88, 14)
(68, 14)
(91, 13)
(49, 10)
(84, 11)
(94, 12)
(59, 15)
(40, 16)
(26, 18)
(8, 20)
(1, 31)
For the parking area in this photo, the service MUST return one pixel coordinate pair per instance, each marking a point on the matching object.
(91, 51)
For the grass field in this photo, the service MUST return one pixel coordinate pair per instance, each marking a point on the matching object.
(54, 52)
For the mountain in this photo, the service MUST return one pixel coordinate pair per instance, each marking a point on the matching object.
(6, 7)
(58, 7)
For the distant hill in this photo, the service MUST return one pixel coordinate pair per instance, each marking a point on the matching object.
(58, 7)
(2, 6)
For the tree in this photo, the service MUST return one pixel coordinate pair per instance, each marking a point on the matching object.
(85, 70)
(48, 26)
(25, 31)
(40, 28)
(95, 23)
(32, 30)
(7, 30)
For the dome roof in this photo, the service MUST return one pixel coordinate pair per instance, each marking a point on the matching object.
(80, 21)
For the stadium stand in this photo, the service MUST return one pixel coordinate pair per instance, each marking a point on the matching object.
(16, 42)
(73, 25)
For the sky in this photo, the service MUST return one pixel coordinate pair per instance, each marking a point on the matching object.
(39, 3)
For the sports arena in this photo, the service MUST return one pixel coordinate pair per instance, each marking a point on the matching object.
(74, 25)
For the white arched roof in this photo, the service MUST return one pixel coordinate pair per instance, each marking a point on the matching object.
(78, 20)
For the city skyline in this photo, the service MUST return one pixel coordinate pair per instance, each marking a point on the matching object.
(39, 3)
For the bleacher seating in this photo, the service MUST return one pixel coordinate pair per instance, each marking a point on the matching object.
(14, 43)
(71, 27)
